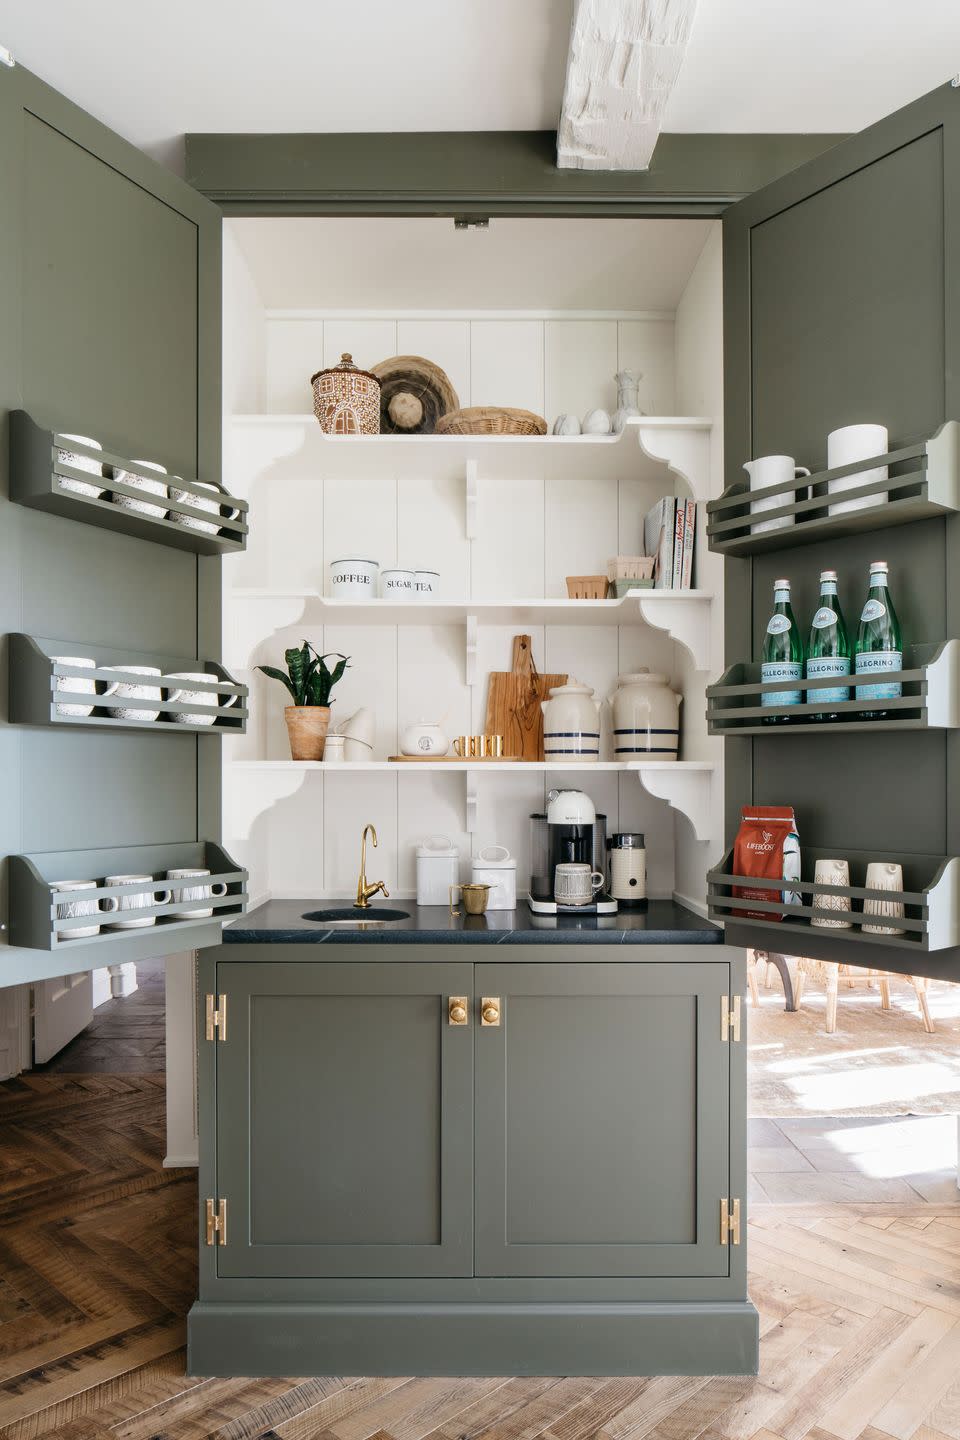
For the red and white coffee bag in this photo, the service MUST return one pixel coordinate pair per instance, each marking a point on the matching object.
(768, 846)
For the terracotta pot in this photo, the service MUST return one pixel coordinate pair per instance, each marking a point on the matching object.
(307, 727)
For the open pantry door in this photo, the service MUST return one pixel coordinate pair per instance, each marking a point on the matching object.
(842, 307)
(110, 273)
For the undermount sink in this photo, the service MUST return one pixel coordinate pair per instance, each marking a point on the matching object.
(354, 915)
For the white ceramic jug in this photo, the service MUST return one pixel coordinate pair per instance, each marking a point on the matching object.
(646, 717)
(571, 723)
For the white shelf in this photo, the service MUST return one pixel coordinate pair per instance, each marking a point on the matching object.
(686, 785)
(681, 441)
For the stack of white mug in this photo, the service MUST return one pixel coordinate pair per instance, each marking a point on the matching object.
(189, 887)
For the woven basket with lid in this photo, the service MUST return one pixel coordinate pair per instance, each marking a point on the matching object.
(346, 400)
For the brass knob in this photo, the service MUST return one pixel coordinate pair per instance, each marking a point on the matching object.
(457, 1013)
(490, 1010)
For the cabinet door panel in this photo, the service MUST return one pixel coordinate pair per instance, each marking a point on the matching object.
(602, 1120)
(344, 1119)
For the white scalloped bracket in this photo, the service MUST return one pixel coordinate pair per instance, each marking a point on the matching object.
(686, 617)
(262, 789)
(686, 786)
(684, 449)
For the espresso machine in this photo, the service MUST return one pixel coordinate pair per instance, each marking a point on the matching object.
(569, 831)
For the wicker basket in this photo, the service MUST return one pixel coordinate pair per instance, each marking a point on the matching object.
(587, 587)
(631, 567)
(491, 420)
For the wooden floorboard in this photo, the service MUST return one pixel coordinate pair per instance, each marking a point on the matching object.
(859, 1305)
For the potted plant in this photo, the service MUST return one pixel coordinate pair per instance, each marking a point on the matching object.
(310, 682)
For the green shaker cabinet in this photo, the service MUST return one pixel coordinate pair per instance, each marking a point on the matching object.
(523, 1163)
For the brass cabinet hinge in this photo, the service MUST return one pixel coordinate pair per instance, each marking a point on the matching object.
(729, 1018)
(216, 1222)
(216, 1017)
(729, 1222)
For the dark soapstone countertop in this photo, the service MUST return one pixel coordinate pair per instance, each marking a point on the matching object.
(281, 922)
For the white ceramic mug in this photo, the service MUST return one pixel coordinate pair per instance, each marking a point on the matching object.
(208, 702)
(142, 482)
(80, 462)
(135, 900)
(353, 579)
(426, 584)
(574, 883)
(774, 470)
(131, 690)
(190, 897)
(75, 684)
(396, 584)
(845, 447)
(831, 872)
(884, 875)
(213, 507)
(67, 909)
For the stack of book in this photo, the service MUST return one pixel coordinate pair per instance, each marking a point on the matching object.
(669, 534)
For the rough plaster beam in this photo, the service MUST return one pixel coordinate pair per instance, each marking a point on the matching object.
(625, 56)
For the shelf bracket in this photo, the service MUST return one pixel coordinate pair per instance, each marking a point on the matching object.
(685, 619)
(470, 661)
(689, 791)
(471, 497)
(684, 451)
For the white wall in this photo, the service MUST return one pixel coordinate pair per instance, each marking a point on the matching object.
(699, 389)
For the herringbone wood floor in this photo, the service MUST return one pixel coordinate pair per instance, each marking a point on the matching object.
(860, 1315)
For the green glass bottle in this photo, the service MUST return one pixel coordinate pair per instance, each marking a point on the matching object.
(828, 649)
(782, 657)
(879, 645)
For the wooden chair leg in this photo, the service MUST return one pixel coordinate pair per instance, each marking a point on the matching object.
(920, 985)
(884, 982)
(833, 982)
(752, 983)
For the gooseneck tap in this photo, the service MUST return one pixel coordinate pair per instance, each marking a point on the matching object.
(364, 891)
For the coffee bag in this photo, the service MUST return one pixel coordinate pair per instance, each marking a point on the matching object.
(767, 846)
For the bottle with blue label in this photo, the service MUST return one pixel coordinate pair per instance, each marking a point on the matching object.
(879, 646)
(828, 649)
(782, 657)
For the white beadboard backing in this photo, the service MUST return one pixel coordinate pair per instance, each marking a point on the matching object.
(298, 831)
(564, 362)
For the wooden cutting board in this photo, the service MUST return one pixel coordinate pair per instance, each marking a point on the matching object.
(513, 703)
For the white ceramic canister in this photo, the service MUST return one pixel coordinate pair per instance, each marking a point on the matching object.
(80, 462)
(142, 482)
(426, 584)
(496, 867)
(646, 717)
(75, 684)
(424, 738)
(353, 579)
(397, 584)
(438, 867)
(571, 723)
(774, 470)
(845, 447)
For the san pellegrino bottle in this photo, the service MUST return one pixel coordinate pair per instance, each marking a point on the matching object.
(879, 646)
(828, 649)
(782, 657)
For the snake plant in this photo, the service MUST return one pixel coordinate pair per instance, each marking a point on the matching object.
(308, 679)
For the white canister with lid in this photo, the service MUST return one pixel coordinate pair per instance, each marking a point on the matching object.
(438, 867)
(496, 867)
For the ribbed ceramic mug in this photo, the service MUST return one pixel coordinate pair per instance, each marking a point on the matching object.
(147, 483)
(883, 875)
(77, 904)
(198, 502)
(75, 684)
(575, 883)
(190, 897)
(208, 702)
(132, 690)
(137, 899)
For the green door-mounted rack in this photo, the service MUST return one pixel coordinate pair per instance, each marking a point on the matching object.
(922, 480)
(41, 693)
(43, 479)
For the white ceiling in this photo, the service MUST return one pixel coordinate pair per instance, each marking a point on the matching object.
(156, 71)
(387, 264)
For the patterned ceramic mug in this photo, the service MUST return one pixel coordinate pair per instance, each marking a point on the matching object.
(198, 502)
(208, 702)
(132, 690)
(138, 481)
(190, 897)
(575, 883)
(137, 899)
(75, 684)
(79, 904)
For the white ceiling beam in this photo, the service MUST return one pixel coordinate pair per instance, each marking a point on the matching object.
(625, 56)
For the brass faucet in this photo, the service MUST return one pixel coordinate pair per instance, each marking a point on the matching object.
(364, 891)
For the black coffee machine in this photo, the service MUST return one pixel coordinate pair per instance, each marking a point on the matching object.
(570, 830)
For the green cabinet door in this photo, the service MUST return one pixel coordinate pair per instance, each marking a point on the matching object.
(345, 1120)
(602, 1120)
